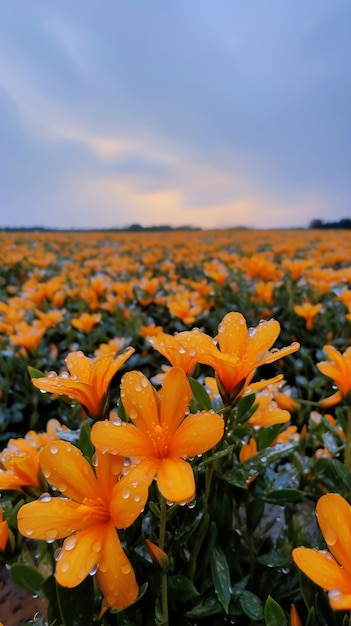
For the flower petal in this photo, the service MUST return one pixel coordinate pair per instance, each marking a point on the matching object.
(322, 568)
(51, 518)
(115, 574)
(130, 494)
(339, 601)
(79, 554)
(124, 440)
(78, 365)
(65, 467)
(262, 338)
(175, 480)
(334, 519)
(140, 400)
(104, 367)
(233, 334)
(108, 467)
(175, 397)
(197, 434)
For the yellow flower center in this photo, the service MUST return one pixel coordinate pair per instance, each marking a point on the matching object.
(160, 440)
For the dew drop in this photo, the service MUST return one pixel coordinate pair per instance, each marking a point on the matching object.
(144, 382)
(54, 449)
(29, 532)
(51, 535)
(126, 494)
(117, 421)
(330, 536)
(46, 472)
(105, 449)
(125, 569)
(191, 504)
(133, 413)
(70, 543)
(65, 566)
(96, 546)
(45, 497)
(137, 497)
(58, 554)
(138, 388)
(93, 570)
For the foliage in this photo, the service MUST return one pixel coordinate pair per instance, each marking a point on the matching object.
(223, 556)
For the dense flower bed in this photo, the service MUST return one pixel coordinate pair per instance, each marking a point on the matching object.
(175, 412)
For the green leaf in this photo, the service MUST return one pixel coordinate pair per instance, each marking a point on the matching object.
(27, 578)
(283, 496)
(84, 441)
(181, 589)
(274, 614)
(266, 436)
(200, 395)
(254, 514)
(276, 558)
(77, 604)
(209, 606)
(245, 408)
(334, 475)
(264, 458)
(236, 477)
(221, 576)
(251, 605)
(214, 457)
(35, 373)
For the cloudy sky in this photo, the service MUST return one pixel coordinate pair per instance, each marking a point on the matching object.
(184, 112)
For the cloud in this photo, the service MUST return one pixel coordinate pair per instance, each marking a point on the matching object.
(181, 107)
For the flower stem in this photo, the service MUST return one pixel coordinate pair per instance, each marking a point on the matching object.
(347, 459)
(161, 543)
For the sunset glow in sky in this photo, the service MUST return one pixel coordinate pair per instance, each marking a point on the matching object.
(193, 112)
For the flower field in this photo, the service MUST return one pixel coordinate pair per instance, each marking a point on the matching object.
(175, 426)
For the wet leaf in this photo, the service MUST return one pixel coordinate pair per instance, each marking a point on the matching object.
(221, 576)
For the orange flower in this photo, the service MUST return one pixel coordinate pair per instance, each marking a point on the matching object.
(50, 318)
(161, 435)
(339, 370)
(331, 570)
(294, 616)
(268, 412)
(86, 321)
(170, 346)
(28, 336)
(248, 450)
(93, 506)
(4, 532)
(88, 380)
(308, 311)
(240, 352)
(20, 460)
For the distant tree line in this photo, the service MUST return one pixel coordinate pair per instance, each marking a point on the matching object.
(344, 223)
(134, 228)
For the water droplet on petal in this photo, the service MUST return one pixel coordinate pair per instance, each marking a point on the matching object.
(93, 570)
(44, 497)
(70, 543)
(126, 494)
(125, 569)
(54, 449)
(58, 554)
(133, 413)
(330, 536)
(65, 566)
